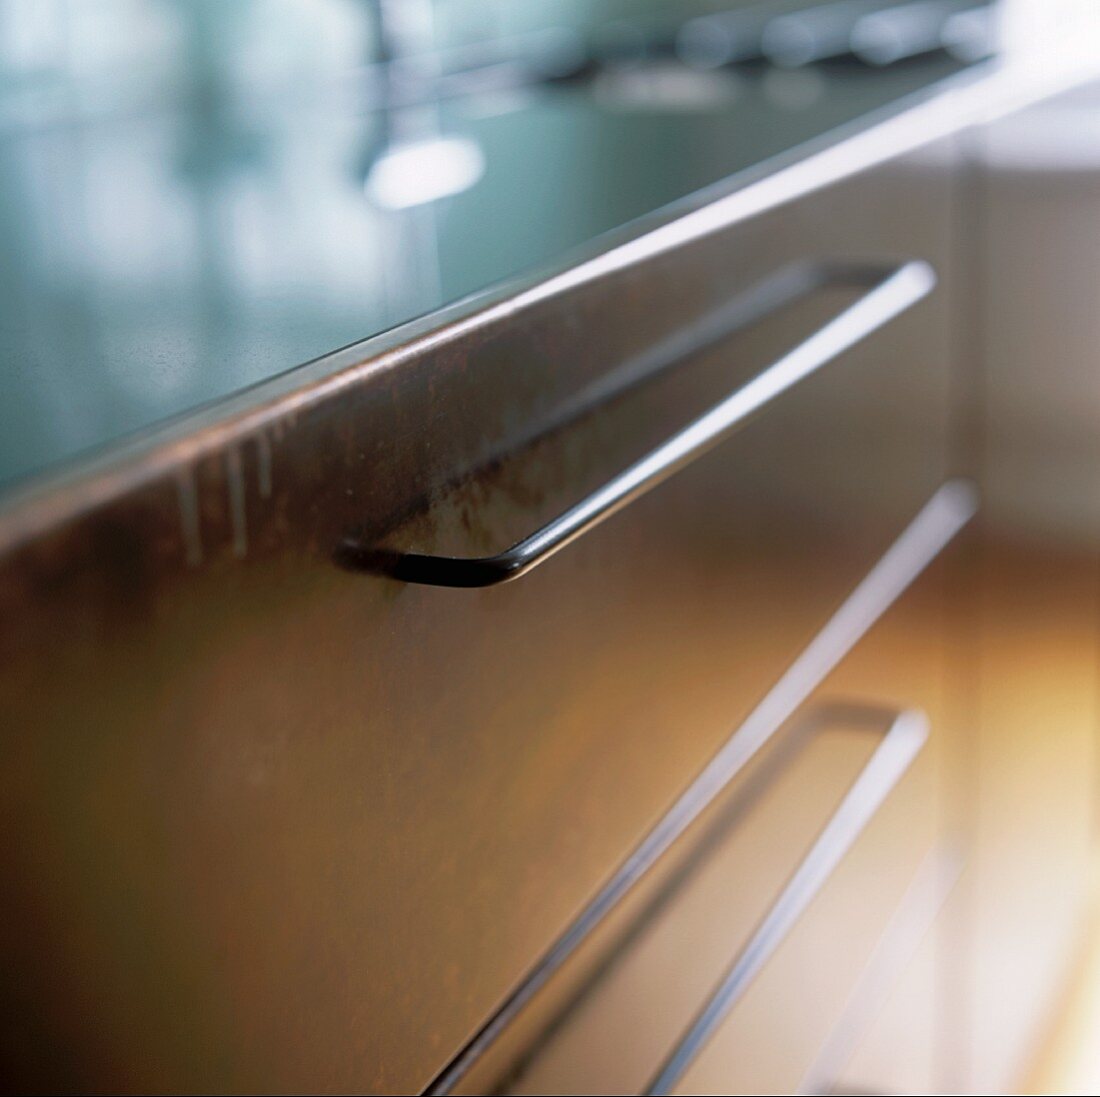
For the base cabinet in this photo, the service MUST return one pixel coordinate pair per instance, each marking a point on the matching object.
(288, 824)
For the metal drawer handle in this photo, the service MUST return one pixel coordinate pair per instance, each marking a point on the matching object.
(889, 289)
(903, 734)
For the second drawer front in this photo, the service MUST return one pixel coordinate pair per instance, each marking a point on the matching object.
(609, 1023)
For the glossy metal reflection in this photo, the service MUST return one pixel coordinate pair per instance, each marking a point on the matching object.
(889, 289)
(903, 734)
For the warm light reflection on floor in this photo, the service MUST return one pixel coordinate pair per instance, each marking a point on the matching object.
(1070, 1063)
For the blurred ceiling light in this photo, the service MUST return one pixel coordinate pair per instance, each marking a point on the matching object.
(412, 173)
(814, 34)
(970, 35)
(885, 37)
(707, 42)
(790, 43)
(893, 34)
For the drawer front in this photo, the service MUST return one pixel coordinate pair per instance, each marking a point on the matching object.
(808, 988)
(281, 822)
(803, 1024)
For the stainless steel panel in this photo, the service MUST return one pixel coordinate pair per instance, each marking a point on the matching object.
(282, 824)
(609, 1030)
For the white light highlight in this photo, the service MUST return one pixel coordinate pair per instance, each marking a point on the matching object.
(415, 172)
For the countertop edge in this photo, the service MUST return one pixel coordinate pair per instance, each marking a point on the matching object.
(999, 88)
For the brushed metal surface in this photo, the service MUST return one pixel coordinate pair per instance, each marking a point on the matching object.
(280, 825)
(607, 1024)
(889, 289)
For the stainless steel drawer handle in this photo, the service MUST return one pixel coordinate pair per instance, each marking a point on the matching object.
(903, 734)
(889, 289)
